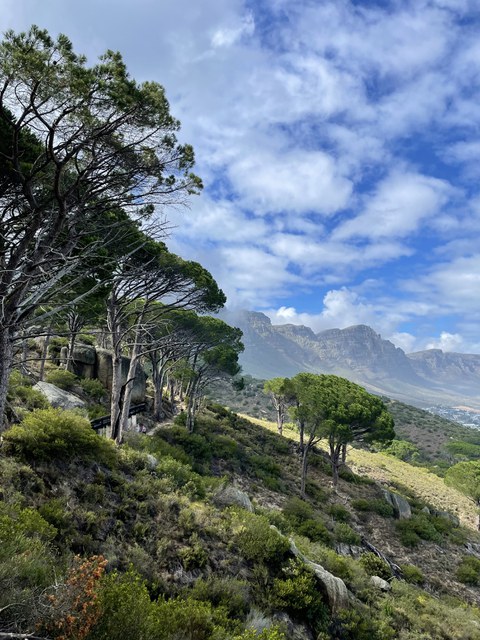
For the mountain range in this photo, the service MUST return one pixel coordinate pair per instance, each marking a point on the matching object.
(359, 354)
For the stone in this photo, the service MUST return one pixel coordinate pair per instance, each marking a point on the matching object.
(84, 360)
(152, 461)
(352, 550)
(104, 371)
(399, 503)
(59, 398)
(380, 583)
(337, 593)
(229, 496)
(455, 520)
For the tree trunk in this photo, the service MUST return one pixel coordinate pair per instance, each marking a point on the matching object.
(43, 357)
(158, 376)
(6, 356)
(116, 393)
(128, 387)
(302, 436)
(70, 348)
(280, 419)
(304, 472)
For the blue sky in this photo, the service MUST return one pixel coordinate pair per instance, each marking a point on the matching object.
(339, 144)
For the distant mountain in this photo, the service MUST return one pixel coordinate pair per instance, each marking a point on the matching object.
(360, 354)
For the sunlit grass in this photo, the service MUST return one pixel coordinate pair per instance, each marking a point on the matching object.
(389, 470)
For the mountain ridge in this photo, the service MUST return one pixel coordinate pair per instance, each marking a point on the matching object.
(359, 353)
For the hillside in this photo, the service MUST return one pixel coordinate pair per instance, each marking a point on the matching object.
(431, 434)
(182, 522)
(361, 355)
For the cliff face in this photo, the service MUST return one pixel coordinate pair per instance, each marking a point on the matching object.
(357, 353)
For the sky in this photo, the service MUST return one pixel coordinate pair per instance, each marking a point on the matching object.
(339, 145)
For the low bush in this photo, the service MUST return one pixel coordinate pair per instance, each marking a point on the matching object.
(256, 540)
(339, 513)
(230, 594)
(344, 533)
(62, 378)
(21, 392)
(420, 526)
(376, 505)
(412, 574)
(297, 593)
(468, 571)
(375, 566)
(53, 434)
(93, 388)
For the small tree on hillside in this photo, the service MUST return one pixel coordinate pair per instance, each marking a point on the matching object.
(339, 411)
(282, 393)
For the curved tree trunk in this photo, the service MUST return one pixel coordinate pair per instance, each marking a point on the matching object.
(6, 357)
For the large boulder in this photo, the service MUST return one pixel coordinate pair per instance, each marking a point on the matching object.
(59, 398)
(229, 496)
(84, 360)
(104, 372)
(400, 505)
(337, 593)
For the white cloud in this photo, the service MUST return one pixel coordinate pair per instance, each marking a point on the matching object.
(285, 180)
(400, 204)
(226, 36)
(447, 342)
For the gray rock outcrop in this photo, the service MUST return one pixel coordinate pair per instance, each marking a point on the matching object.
(59, 398)
(380, 583)
(104, 372)
(337, 593)
(229, 496)
(84, 360)
(399, 503)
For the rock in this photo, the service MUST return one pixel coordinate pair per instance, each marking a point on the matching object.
(335, 588)
(104, 371)
(84, 360)
(380, 583)
(59, 398)
(259, 621)
(455, 520)
(344, 549)
(426, 510)
(152, 461)
(399, 503)
(229, 495)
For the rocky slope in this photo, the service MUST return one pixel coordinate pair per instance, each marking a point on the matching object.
(360, 354)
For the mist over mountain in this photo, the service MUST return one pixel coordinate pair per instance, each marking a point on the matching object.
(359, 354)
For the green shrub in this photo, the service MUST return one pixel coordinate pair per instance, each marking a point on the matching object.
(256, 539)
(376, 505)
(344, 533)
(62, 378)
(53, 434)
(468, 570)
(297, 510)
(86, 338)
(412, 574)
(228, 593)
(375, 566)
(315, 530)
(20, 392)
(93, 388)
(194, 556)
(181, 476)
(339, 513)
(298, 594)
(419, 526)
